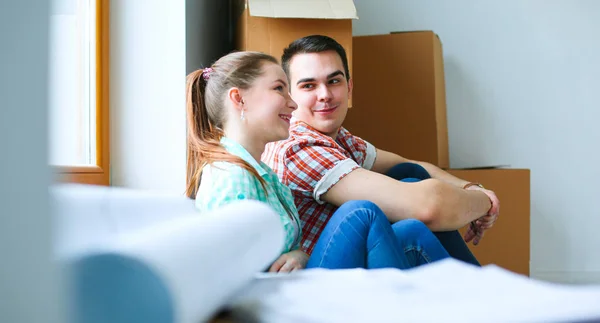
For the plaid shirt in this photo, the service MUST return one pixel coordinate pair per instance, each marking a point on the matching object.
(310, 163)
(223, 183)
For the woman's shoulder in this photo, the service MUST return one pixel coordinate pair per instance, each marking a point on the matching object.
(227, 169)
(226, 176)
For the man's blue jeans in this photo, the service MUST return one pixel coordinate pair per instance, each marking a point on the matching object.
(452, 241)
(359, 235)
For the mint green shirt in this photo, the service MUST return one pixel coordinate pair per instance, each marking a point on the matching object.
(222, 183)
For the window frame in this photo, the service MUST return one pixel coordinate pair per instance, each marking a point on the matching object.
(98, 174)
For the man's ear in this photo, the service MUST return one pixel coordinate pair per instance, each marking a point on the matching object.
(350, 87)
(235, 96)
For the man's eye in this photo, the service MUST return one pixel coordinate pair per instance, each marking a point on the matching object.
(307, 86)
(334, 81)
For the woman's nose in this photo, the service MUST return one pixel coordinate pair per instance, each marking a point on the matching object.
(291, 103)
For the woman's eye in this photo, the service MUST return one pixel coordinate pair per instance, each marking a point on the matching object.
(279, 88)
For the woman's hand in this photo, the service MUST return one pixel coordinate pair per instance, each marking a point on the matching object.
(290, 261)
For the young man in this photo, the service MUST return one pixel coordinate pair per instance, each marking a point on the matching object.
(324, 165)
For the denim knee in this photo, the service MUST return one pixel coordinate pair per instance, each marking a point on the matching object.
(408, 170)
(414, 224)
(359, 204)
(412, 228)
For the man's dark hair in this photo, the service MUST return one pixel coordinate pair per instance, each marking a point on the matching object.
(313, 44)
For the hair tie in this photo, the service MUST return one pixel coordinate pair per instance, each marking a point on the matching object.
(206, 73)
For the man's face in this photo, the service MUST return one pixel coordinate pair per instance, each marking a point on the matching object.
(318, 85)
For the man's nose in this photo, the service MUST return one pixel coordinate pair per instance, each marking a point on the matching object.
(324, 93)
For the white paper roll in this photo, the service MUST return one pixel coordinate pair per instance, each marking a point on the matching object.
(180, 270)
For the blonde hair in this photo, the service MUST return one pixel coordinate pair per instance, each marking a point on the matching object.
(205, 96)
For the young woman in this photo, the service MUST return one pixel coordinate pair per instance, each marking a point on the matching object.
(237, 106)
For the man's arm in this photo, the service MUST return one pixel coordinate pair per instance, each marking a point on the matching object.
(385, 160)
(439, 205)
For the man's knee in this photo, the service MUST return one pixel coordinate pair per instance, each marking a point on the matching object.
(359, 204)
(408, 170)
(411, 228)
(413, 225)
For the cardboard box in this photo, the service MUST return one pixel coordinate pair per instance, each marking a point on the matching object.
(399, 99)
(269, 26)
(507, 243)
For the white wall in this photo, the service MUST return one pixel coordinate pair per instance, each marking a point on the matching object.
(147, 97)
(29, 280)
(154, 44)
(522, 82)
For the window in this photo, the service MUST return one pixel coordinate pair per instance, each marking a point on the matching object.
(78, 91)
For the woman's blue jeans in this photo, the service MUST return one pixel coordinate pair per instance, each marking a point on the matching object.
(452, 241)
(359, 235)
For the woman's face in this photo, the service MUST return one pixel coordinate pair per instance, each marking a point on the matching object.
(268, 106)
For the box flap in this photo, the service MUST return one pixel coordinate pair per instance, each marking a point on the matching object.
(411, 31)
(316, 9)
(483, 167)
(415, 31)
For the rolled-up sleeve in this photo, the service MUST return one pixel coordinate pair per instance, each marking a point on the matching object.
(316, 169)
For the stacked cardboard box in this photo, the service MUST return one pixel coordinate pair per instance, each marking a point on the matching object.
(400, 106)
(399, 95)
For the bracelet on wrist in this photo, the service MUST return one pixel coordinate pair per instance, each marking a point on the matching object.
(472, 184)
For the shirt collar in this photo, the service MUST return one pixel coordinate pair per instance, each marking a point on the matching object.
(236, 149)
(298, 127)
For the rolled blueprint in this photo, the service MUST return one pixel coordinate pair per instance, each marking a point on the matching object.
(180, 267)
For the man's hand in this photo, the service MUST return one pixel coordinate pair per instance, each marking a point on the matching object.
(478, 227)
(288, 262)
